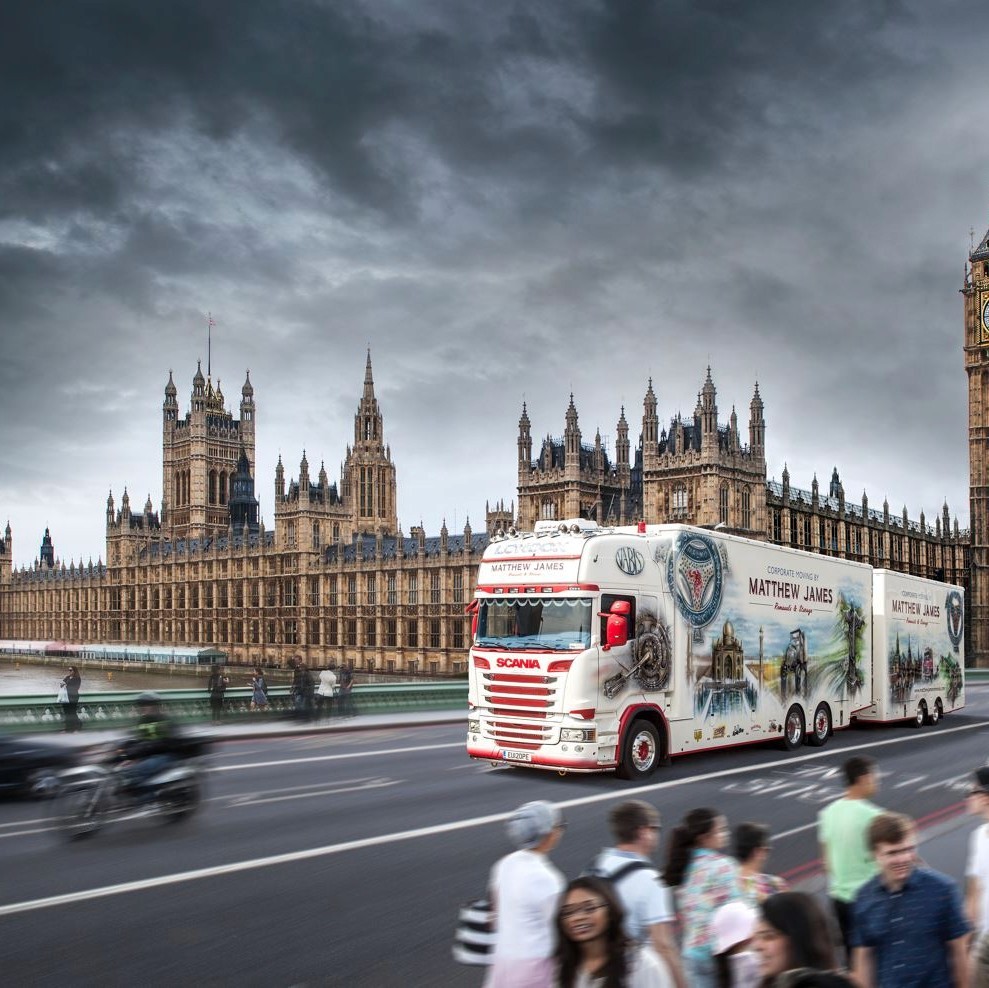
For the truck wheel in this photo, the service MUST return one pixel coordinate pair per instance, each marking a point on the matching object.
(822, 725)
(940, 709)
(935, 713)
(920, 717)
(793, 728)
(640, 752)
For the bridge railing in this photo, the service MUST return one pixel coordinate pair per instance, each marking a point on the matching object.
(114, 709)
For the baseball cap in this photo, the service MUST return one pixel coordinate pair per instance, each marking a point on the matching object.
(530, 823)
(731, 924)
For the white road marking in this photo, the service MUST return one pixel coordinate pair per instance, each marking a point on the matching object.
(909, 782)
(291, 857)
(278, 796)
(795, 830)
(337, 757)
(951, 780)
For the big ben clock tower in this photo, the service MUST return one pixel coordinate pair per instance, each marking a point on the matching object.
(976, 294)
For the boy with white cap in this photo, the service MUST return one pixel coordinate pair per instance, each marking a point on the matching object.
(525, 889)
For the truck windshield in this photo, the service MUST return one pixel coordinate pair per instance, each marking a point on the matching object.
(534, 622)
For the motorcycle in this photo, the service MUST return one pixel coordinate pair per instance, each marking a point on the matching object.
(91, 796)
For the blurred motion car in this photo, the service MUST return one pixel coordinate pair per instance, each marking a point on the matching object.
(29, 766)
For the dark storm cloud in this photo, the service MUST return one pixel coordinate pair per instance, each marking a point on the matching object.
(680, 86)
(501, 200)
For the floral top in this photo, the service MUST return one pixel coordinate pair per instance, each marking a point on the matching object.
(755, 888)
(711, 881)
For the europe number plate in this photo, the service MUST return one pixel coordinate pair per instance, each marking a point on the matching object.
(517, 756)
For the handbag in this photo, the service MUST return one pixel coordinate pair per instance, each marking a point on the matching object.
(63, 694)
(474, 937)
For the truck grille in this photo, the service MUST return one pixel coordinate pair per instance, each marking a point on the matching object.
(519, 707)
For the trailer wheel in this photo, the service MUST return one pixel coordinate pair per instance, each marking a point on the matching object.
(640, 752)
(935, 713)
(793, 728)
(920, 717)
(940, 709)
(822, 725)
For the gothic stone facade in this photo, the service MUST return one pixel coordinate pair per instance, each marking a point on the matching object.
(335, 580)
(698, 472)
(975, 293)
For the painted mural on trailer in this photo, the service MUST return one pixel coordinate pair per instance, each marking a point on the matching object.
(924, 642)
(781, 630)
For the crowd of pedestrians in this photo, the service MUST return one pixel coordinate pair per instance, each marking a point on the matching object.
(710, 919)
(313, 698)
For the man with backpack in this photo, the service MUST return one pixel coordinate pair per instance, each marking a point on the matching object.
(649, 913)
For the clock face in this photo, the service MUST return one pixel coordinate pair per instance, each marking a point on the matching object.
(984, 317)
(985, 314)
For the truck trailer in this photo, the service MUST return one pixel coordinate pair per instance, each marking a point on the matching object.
(598, 649)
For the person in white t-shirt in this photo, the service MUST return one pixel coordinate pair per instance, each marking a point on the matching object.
(977, 877)
(525, 890)
(648, 905)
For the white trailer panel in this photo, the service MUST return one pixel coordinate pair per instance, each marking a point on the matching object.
(918, 648)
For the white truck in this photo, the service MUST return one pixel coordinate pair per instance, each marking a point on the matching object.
(619, 648)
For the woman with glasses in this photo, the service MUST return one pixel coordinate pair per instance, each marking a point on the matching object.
(592, 948)
(705, 878)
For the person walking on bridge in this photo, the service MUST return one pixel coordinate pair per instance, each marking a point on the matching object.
(70, 708)
(908, 926)
(977, 877)
(649, 914)
(842, 828)
(326, 690)
(525, 889)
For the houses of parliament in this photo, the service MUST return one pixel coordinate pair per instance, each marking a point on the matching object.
(336, 579)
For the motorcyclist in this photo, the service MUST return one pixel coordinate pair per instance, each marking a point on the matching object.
(153, 746)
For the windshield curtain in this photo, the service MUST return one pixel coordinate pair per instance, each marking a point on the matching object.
(535, 622)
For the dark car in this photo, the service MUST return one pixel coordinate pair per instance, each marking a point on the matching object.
(29, 766)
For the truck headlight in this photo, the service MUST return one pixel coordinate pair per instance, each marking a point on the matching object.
(578, 734)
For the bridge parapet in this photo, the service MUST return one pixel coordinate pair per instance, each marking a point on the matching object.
(114, 709)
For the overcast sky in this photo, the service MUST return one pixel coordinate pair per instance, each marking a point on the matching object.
(505, 201)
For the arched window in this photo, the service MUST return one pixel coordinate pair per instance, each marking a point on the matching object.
(746, 508)
(212, 487)
(723, 504)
